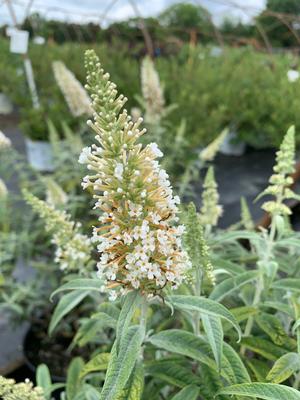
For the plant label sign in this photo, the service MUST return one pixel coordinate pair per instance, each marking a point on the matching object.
(19, 42)
(10, 30)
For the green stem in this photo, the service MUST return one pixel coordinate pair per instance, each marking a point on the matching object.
(198, 285)
(144, 310)
(297, 316)
(256, 299)
(297, 381)
(143, 321)
(260, 282)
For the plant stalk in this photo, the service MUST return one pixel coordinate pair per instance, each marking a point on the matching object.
(198, 286)
(260, 282)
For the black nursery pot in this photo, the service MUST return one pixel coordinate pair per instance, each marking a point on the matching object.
(35, 354)
(54, 351)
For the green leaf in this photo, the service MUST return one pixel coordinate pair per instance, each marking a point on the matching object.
(209, 382)
(43, 379)
(264, 391)
(284, 367)
(109, 309)
(195, 347)
(263, 347)
(296, 326)
(121, 365)
(230, 285)
(288, 242)
(188, 393)
(174, 371)
(240, 314)
(214, 332)
(273, 328)
(97, 363)
(233, 366)
(91, 393)
(292, 284)
(65, 305)
(282, 307)
(73, 377)
(206, 306)
(132, 300)
(184, 343)
(135, 385)
(90, 329)
(259, 369)
(232, 236)
(80, 284)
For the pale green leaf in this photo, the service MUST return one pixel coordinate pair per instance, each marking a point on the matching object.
(65, 305)
(282, 307)
(284, 367)
(122, 363)
(214, 333)
(188, 393)
(233, 366)
(131, 302)
(232, 236)
(173, 371)
(292, 284)
(97, 363)
(184, 343)
(206, 306)
(90, 328)
(43, 379)
(195, 347)
(73, 378)
(134, 386)
(263, 347)
(263, 391)
(80, 284)
(230, 285)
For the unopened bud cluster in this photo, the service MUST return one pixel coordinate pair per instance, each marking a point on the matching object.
(210, 211)
(10, 390)
(281, 180)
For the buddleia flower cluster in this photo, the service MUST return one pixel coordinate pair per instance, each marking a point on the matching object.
(196, 245)
(281, 180)
(5, 142)
(10, 390)
(74, 93)
(210, 211)
(152, 92)
(73, 249)
(138, 240)
(210, 151)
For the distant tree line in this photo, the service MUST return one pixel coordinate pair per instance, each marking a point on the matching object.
(278, 25)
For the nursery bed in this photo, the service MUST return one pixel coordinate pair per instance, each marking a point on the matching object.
(245, 175)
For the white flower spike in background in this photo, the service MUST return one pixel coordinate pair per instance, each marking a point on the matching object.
(3, 190)
(73, 249)
(4, 141)
(74, 93)
(293, 75)
(152, 92)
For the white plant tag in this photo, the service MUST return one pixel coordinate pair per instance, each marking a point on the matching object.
(19, 42)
